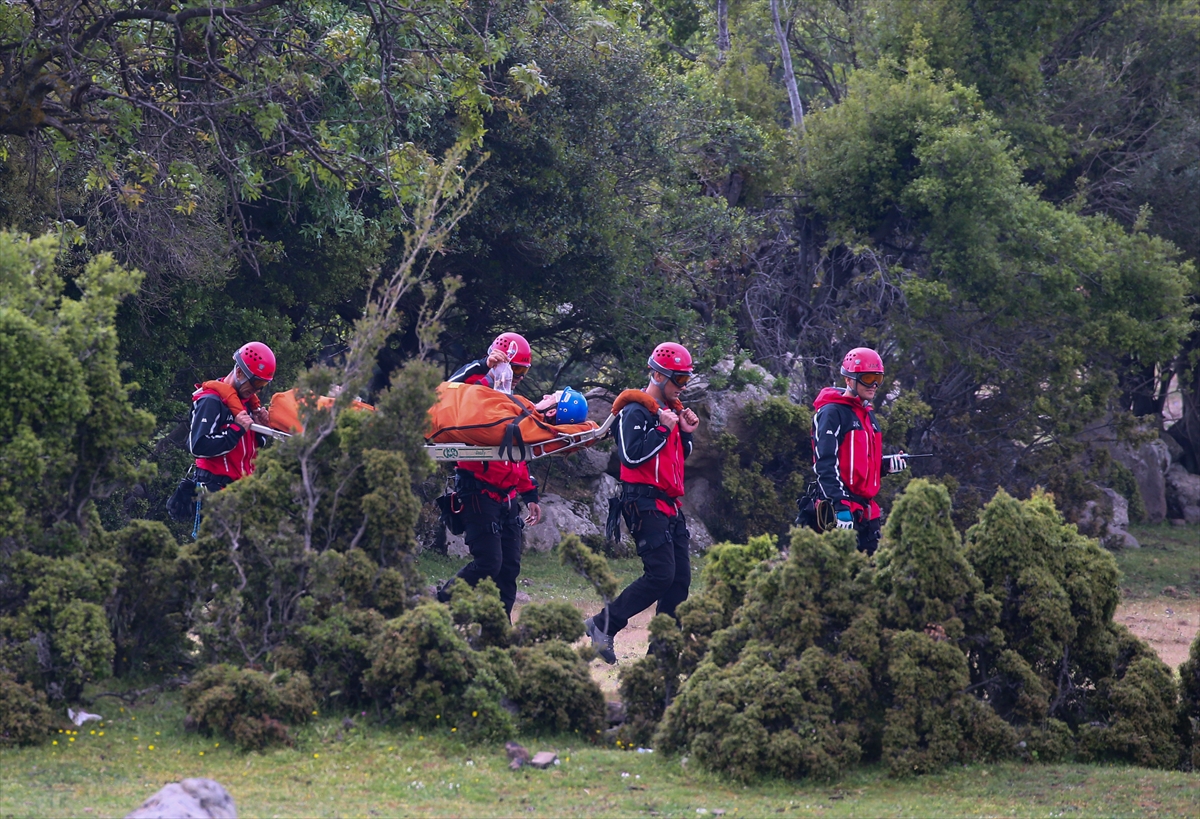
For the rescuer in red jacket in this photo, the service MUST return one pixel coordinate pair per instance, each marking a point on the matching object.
(222, 412)
(848, 447)
(489, 489)
(654, 436)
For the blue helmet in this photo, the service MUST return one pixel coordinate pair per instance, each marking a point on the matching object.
(572, 407)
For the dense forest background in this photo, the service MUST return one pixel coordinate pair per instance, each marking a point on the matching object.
(998, 195)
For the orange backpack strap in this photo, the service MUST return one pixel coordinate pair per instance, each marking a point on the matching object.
(227, 394)
(628, 397)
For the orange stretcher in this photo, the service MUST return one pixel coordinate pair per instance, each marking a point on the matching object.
(473, 422)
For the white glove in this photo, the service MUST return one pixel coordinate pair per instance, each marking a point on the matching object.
(845, 520)
(896, 463)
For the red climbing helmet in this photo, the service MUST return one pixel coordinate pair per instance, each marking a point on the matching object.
(256, 360)
(672, 360)
(521, 356)
(863, 361)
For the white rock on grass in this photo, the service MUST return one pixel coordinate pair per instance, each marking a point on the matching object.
(189, 799)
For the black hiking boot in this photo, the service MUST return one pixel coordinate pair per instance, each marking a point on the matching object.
(601, 642)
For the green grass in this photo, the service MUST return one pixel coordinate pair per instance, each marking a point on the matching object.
(1169, 557)
(373, 771)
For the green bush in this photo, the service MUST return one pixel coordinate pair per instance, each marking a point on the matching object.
(57, 636)
(25, 718)
(649, 685)
(479, 614)
(541, 622)
(248, 707)
(933, 654)
(149, 607)
(1188, 725)
(334, 650)
(424, 669)
(555, 691)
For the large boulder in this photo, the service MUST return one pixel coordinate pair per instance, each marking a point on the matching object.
(720, 412)
(559, 517)
(606, 487)
(1183, 494)
(189, 799)
(1106, 519)
(698, 503)
(1149, 463)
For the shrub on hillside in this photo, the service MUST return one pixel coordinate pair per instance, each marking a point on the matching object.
(932, 654)
(25, 718)
(1058, 654)
(426, 672)
(542, 622)
(649, 685)
(1188, 725)
(250, 708)
(555, 691)
(786, 689)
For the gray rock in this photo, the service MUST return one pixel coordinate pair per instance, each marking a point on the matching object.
(699, 537)
(698, 506)
(1149, 464)
(1120, 508)
(1183, 494)
(590, 462)
(189, 799)
(1174, 448)
(606, 487)
(559, 517)
(456, 546)
(1116, 539)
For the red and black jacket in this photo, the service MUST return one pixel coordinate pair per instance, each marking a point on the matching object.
(651, 454)
(506, 478)
(847, 452)
(220, 444)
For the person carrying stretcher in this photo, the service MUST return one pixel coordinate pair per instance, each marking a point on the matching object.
(654, 436)
(488, 490)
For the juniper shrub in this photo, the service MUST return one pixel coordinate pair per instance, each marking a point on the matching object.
(251, 708)
(25, 718)
(541, 622)
(555, 691)
(1188, 724)
(424, 669)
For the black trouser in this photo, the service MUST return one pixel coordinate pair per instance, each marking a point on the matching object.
(493, 534)
(662, 544)
(869, 533)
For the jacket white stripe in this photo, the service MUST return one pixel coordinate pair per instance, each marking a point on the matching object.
(625, 452)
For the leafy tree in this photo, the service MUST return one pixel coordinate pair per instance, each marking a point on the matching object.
(66, 423)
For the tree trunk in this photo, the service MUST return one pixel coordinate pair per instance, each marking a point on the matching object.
(722, 29)
(789, 73)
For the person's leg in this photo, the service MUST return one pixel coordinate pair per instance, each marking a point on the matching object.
(658, 573)
(677, 592)
(482, 536)
(869, 533)
(510, 553)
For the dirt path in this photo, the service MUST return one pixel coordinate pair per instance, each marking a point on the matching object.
(1169, 626)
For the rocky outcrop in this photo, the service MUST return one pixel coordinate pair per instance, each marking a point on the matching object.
(1183, 494)
(1149, 463)
(189, 799)
(559, 517)
(1106, 519)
